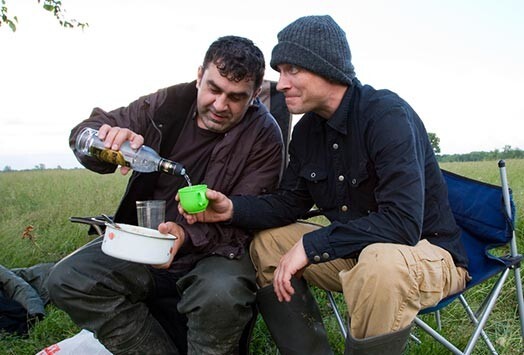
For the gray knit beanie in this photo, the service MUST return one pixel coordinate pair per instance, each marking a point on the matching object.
(318, 44)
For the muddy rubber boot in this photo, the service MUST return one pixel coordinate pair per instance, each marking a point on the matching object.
(296, 326)
(391, 343)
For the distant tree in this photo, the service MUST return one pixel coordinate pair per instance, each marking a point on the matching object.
(40, 166)
(54, 6)
(435, 142)
(59, 167)
(7, 168)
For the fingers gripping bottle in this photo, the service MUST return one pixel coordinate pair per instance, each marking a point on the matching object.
(143, 159)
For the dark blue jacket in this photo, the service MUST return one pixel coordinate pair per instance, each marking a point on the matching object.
(371, 169)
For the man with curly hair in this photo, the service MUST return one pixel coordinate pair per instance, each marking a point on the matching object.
(200, 301)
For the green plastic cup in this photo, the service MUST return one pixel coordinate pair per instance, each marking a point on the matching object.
(193, 198)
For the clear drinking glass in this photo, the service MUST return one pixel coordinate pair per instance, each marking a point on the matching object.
(150, 213)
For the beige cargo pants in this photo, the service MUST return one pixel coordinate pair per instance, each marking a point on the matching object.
(384, 289)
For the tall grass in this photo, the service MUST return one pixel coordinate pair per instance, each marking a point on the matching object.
(46, 199)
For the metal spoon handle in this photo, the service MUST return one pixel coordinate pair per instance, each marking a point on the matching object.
(110, 221)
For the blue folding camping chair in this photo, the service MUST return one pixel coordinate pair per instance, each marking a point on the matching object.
(485, 213)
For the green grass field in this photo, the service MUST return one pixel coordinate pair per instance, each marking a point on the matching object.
(45, 199)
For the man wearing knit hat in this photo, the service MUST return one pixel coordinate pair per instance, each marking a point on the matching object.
(363, 157)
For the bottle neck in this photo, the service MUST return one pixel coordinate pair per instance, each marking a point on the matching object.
(171, 167)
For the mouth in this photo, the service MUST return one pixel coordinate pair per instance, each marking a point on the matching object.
(291, 98)
(215, 118)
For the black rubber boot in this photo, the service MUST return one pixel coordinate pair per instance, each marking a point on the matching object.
(391, 343)
(296, 326)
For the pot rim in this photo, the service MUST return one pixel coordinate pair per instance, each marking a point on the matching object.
(124, 228)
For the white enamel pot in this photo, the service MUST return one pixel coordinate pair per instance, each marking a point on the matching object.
(137, 244)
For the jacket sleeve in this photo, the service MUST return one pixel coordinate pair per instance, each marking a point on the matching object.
(17, 289)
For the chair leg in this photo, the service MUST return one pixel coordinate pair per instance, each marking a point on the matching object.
(486, 312)
(437, 319)
(334, 307)
(475, 321)
(513, 243)
(415, 338)
(520, 298)
(420, 323)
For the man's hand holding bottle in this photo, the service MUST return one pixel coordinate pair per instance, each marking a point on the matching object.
(114, 137)
(121, 146)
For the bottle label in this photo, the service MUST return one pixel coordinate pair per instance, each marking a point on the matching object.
(110, 156)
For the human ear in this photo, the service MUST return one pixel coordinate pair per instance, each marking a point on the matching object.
(200, 73)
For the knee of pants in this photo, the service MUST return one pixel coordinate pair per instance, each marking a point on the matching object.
(269, 245)
(90, 274)
(220, 297)
(265, 256)
(56, 284)
(65, 284)
(260, 246)
(381, 266)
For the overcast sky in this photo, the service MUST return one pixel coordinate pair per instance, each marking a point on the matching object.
(459, 63)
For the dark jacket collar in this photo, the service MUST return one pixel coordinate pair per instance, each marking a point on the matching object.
(339, 120)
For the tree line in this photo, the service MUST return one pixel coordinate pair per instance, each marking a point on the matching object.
(506, 153)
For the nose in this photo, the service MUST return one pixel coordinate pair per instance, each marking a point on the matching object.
(221, 102)
(283, 83)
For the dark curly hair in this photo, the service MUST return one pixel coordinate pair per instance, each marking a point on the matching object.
(237, 58)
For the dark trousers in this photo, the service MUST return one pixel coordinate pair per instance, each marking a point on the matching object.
(115, 299)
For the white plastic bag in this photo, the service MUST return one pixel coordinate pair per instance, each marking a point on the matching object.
(83, 343)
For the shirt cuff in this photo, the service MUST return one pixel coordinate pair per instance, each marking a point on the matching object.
(242, 216)
(317, 247)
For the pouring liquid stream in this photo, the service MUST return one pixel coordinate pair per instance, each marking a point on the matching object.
(188, 180)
